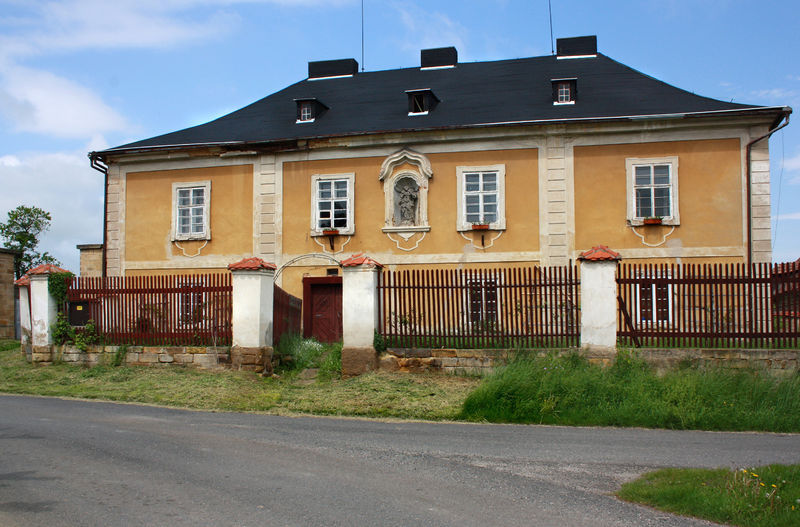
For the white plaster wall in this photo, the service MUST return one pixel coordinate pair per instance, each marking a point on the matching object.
(359, 306)
(24, 314)
(598, 304)
(43, 311)
(252, 308)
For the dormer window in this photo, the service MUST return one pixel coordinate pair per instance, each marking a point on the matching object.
(308, 110)
(564, 91)
(421, 102)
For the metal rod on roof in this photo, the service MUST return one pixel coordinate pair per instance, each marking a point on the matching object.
(550, 11)
(362, 35)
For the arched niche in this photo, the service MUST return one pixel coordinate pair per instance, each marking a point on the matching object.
(405, 176)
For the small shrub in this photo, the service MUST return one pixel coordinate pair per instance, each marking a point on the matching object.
(331, 365)
(379, 343)
(296, 353)
(61, 331)
(119, 355)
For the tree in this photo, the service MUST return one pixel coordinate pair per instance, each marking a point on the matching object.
(21, 232)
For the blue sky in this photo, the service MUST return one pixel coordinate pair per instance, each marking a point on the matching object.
(80, 75)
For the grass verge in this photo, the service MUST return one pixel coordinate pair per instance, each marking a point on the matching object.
(757, 497)
(571, 391)
(434, 397)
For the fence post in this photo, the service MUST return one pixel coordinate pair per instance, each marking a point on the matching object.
(253, 290)
(599, 298)
(360, 312)
(43, 311)
(24, 288)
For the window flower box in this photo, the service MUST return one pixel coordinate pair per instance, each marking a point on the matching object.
(652, 221)
(480, 227)
(330, 232)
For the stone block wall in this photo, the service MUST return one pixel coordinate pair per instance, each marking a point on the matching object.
(204, 358)
(91, 259)
(7, 293)
(776, 362)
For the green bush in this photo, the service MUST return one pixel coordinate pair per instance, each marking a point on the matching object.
(570, 391)
(296, 353)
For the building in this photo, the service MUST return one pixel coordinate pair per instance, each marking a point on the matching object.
(526, 162)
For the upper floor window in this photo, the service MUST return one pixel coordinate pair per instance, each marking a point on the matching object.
(421, 102)
(308, 110)
(332, 204)
(653, 190)
(564, 91)
(191, 206)
(481, 197)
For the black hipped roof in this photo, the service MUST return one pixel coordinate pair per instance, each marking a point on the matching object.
(470, 94)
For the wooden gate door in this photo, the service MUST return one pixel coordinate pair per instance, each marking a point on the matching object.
(322, 308)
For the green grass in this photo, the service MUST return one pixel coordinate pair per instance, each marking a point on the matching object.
(571, 391)
(758, 497)
(405, 396)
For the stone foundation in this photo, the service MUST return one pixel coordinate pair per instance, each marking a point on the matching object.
(205, 358)
(776, 362)
(356, 361)
(252, 359)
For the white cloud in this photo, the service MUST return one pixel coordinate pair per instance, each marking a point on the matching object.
(9, 161)
(776, 95)
(427, 29)
(42, 102)
(63, 184)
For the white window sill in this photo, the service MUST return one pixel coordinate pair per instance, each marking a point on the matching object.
(300, 121)
(638, 222)
(555, 103)
(414, 114)
(340, 232)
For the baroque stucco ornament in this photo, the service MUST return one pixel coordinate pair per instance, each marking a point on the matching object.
(406, 196)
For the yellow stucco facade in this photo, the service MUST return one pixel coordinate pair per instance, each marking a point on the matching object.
(149, 215)
(710, 189)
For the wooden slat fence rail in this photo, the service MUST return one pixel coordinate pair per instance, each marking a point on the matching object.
(167, 310)
(707, 306)
(287, 313)
(480, 308)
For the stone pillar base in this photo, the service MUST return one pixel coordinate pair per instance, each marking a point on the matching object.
(41, 354)
(252, 359)
(356, 361)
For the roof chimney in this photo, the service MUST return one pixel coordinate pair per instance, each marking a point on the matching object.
(438, 58)
(577, 47)
(325, 69)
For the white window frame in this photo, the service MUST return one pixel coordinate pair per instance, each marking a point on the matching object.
(309, 106)
(462, 223)
(571, 84)
(630, 167)
(206, 234)
(315, 180)
(654, 299)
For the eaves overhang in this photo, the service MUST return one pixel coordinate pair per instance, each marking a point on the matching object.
(293, 143)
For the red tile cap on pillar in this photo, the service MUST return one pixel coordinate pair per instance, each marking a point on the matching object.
(22, 281)
(360, 259)
(599, 253)
(46, 269)
(251, 264)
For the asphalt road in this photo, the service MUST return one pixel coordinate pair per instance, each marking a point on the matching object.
(78, 463)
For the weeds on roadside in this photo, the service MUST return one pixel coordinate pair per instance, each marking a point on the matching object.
(748, 497)
(571, 391)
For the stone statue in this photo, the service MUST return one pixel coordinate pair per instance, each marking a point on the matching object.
(406, 199)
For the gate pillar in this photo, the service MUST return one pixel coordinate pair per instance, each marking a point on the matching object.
(360, 312)
(253, 297)
(599, 298)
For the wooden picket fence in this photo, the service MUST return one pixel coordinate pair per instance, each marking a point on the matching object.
(709, 306)
(480, 308)
(167, 310)
(287, 314)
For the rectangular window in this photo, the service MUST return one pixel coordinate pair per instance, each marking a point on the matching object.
(654, 302)
(332, 204)
(483, 304)
(564, 91)
(191, 206)
(653, 190)
(306, 111)
(481, 197)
